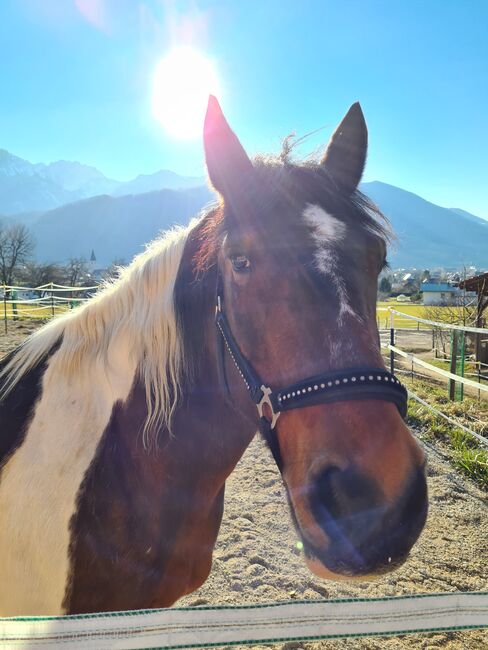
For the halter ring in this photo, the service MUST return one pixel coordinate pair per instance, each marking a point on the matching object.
(265, 399)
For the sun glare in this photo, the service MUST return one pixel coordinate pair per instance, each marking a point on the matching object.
(182, 82)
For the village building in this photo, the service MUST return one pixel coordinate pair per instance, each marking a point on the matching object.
(439, 293)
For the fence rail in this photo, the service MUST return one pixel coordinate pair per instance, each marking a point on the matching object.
(411, 395)
(451, 376)
(46, 304)
(252, 624)
(448, 326)
(439, 371)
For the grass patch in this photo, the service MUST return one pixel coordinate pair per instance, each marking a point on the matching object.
(33, 311)
(473, 463)
(419, 311)
(467, 454)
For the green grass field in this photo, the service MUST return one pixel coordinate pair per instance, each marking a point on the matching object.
(22, 311)
(419, 311)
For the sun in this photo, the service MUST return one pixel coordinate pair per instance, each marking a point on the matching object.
(182, 82)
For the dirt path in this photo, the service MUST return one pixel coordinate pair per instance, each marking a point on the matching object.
(257, 559)
(17, 331)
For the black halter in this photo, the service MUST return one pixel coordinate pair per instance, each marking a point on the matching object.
(336, 386)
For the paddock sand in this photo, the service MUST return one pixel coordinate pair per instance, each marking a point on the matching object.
(256, 559)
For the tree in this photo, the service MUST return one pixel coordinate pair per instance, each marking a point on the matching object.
(16, 246)
(34, 275)
(385, 285)
(460, 310)
(75, 272)
(113, 271)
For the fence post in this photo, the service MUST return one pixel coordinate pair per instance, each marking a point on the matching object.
(52, 300)
(479, 379)
(452, 383)
(13, 295)
(392, 342)
(5, 308)
(460, 365)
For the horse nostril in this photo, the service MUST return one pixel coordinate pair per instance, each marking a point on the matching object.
(342, 493)
(325, 494)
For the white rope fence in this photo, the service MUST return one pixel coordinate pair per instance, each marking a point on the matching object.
(448, 326)
(439, 371)
(47, 302)
(428, 406)
(50, 286)
(276, 622)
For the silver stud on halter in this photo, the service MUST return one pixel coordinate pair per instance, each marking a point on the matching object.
(265, 399)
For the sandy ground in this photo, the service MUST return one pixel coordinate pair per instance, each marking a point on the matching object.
(257, 560)
(17, 331)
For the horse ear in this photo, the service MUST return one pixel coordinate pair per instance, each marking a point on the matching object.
(225, 156)
(346, 152)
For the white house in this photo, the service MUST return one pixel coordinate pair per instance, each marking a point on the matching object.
(440, 293)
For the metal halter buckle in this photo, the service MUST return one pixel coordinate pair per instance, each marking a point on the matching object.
(265, 399)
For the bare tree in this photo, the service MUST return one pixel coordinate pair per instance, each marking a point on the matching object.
(113, 271)
(35, 275)
(75, 272)
(460, 310)
(16, 246)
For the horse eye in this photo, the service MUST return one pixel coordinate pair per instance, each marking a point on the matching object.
(240, 263)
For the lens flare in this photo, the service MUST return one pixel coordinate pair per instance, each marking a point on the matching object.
(182, 82)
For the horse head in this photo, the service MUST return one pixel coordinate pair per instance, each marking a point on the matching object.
(298, 253)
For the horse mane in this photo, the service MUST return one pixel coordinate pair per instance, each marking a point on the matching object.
(139, 306)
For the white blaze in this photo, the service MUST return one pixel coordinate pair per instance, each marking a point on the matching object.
(328, 232)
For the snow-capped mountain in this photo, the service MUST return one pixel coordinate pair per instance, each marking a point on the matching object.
(75, 177)
(28, 187)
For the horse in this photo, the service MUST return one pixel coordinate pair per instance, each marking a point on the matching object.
(121, 420)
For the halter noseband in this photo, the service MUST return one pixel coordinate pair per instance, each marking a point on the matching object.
(335, 386)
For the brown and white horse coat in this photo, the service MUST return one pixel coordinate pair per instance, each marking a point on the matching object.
(116, 438)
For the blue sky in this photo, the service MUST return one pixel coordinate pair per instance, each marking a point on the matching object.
(76, 83)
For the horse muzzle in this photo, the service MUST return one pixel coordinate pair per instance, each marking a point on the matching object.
(364, 534)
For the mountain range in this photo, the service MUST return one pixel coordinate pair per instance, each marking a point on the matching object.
(73, 209)
(27, 187)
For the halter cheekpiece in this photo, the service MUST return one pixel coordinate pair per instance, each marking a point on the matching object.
(335, 386)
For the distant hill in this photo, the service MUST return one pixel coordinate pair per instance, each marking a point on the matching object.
(114, 227)
(153, 182)
(470, 217)
(27, 187)
(428, 235)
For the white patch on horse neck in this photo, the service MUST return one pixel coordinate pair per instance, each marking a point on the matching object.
(328, 232)
(129, 328)
(40, 483)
